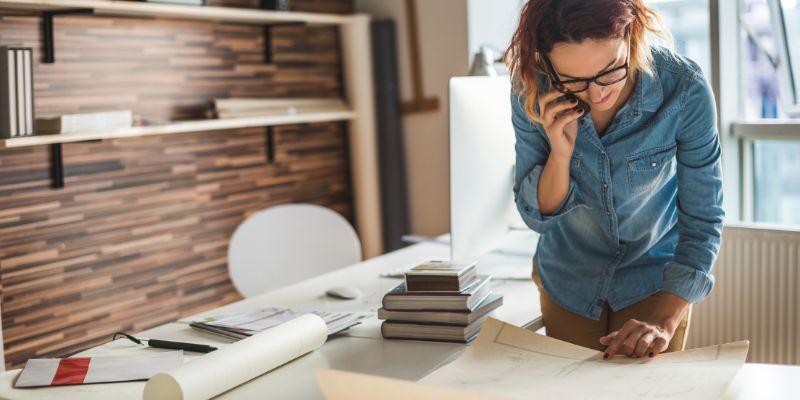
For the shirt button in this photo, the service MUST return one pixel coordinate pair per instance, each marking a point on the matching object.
(616, 120)
(653, 164)
(605, 185)
(608, 212)
(527, 208)
(618, 252)
(635, 112)
(582, 122)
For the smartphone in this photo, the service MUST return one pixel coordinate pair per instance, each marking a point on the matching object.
(581, 104)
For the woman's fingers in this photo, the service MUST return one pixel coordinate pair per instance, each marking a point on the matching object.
(546, 98)
(554, 110)
(644, 342)
(632, 341)
(619, 340)
(606, 340)
(566, 118)
(659, 345)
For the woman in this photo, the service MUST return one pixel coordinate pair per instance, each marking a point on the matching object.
(628, 197)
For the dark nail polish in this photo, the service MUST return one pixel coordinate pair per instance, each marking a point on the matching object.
(606, 355)
(573, 101)
(651, 354)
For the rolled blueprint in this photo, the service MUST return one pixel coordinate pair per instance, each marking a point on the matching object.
(231, 366)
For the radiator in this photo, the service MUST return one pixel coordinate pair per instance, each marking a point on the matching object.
(756, 296)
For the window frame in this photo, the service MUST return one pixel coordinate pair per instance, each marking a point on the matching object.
(737, 137)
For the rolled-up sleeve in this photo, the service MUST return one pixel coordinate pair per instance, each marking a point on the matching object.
(699, 203)
(532, 150)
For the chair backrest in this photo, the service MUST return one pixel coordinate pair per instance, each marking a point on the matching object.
(285, 244)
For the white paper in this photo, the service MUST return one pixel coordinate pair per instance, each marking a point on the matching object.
(268, 317)
(512, 362)
(40, 372)
(226, 368)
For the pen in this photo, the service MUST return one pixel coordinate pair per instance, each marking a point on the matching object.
(165, 344)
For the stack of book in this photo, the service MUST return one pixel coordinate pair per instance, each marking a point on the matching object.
(259, 107)
(16, 92)
(89, 122)
(439, 301)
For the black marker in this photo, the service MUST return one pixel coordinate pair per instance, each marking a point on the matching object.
(164, 344)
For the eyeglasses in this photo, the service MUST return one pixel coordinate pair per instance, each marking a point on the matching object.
(580, 85)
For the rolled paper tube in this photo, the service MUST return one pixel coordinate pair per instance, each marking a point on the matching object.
(231, 366)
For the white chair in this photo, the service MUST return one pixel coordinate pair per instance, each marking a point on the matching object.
(289, 243)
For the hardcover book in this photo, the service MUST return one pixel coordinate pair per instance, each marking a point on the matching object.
(441, 276)
(446, 318)
(400, 299)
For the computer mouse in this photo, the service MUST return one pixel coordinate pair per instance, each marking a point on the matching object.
(343, 292)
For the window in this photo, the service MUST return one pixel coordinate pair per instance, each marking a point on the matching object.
(777, 181)
(688, 20)
(765, 95)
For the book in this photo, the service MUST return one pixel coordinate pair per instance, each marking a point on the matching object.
(448, 318)
(21, 125)
(432, 332)
(88, 122)
(441, 276)
(8, 93)
(400, 299)
(27, 61)
(256, 107)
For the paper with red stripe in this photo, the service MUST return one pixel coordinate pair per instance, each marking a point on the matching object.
(81, 370)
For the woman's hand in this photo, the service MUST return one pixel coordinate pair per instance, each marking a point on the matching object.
(560, 123)
(636, 336)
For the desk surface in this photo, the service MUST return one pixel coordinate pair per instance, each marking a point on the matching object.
(361, 349)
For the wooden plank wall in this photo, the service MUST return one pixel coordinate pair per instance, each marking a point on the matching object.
(139, 235)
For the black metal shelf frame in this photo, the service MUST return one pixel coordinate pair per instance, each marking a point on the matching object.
(49, 58)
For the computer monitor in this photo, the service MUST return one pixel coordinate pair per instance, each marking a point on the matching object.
(482, 161)
(785, 18)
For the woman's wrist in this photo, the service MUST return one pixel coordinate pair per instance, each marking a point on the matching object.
(669, 312)
(558, 160)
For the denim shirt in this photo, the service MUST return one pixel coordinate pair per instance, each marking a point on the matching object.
(644, 207)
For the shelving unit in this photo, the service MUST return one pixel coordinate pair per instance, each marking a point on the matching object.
(354, 31)
(180, 127)
(111, 8)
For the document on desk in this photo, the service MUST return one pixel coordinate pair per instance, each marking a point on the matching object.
(512, 362)
(248, 323)
(233, 365)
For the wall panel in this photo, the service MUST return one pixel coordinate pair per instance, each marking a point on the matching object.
(139, 234)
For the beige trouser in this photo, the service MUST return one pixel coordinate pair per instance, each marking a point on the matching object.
(568, 326)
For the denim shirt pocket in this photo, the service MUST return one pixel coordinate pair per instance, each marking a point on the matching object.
(648, 168)
(575, 170)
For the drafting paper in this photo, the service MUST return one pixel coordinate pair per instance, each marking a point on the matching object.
(226, 368)
(512, 362)
(341, 385)
(82, 370)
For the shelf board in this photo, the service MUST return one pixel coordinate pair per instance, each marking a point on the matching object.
(180, 127)
(204, 13)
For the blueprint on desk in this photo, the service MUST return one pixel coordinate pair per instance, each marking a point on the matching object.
(512, 362)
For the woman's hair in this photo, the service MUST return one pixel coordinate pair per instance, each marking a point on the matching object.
(545, 23)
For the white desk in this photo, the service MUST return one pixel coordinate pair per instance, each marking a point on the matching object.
(362, 349)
